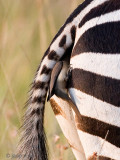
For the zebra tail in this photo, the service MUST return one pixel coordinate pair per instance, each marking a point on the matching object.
(33, 142)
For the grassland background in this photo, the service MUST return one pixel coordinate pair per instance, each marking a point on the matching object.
(26, 29)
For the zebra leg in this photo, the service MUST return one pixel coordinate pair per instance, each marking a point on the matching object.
(63, 112)
(96, 135)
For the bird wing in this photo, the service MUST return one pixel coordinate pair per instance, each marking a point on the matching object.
(54, 75)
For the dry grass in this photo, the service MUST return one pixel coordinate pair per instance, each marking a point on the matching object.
(26, 29)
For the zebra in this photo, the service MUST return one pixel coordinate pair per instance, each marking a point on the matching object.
(89, 113)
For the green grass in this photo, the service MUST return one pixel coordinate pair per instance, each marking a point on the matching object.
(26, 29)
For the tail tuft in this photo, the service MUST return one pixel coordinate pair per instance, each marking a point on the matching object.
(33, 142)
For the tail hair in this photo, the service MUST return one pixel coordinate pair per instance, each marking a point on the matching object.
(33, 144)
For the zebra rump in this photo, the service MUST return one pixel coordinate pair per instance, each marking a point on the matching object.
(92, 34)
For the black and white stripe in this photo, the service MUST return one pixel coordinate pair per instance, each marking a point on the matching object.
(92, 35)
(95, 82)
